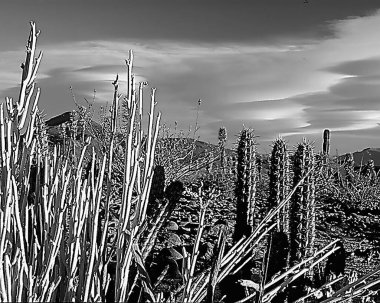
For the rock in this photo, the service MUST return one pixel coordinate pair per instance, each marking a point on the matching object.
(173, 270)
(167, 257)
(172, 226)
(249, 284)
(171, 239)
(170, 253)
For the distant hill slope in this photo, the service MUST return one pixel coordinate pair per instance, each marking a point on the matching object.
(55, 133)
(202, 147)
(362, 157)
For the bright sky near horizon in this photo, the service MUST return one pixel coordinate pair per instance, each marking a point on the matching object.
(280, 67)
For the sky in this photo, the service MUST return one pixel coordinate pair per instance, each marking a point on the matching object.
(284, 68)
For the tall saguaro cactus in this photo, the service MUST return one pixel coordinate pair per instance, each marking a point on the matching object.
(302, 206)
(245, 189)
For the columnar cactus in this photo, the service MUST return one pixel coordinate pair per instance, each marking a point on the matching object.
(279, 181)
(279, 178)
(222, 137)
(326, 142)
(302, 206)
(245, 189)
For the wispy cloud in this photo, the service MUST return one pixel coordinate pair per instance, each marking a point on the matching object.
(295, 87)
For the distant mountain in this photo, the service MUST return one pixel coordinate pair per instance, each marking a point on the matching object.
(362, 157)
(367, 154)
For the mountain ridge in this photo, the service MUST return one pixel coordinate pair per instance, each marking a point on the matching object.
(361, 158)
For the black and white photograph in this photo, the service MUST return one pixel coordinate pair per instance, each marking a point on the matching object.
(190, 151)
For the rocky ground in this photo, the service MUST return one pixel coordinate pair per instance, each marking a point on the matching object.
(358, 231)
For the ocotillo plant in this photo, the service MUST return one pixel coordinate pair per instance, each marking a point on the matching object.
(245, 189)
(50, 250)
(302, 206)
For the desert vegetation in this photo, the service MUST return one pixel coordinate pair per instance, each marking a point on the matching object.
(127, 210)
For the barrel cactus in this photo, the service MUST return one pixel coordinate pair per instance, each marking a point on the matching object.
(245, 189)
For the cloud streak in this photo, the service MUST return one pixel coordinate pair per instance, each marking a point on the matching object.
(295, 86)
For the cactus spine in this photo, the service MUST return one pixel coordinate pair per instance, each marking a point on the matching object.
(245, 189)
(302, 206)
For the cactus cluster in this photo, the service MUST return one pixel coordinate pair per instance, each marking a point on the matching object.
(293, 240)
